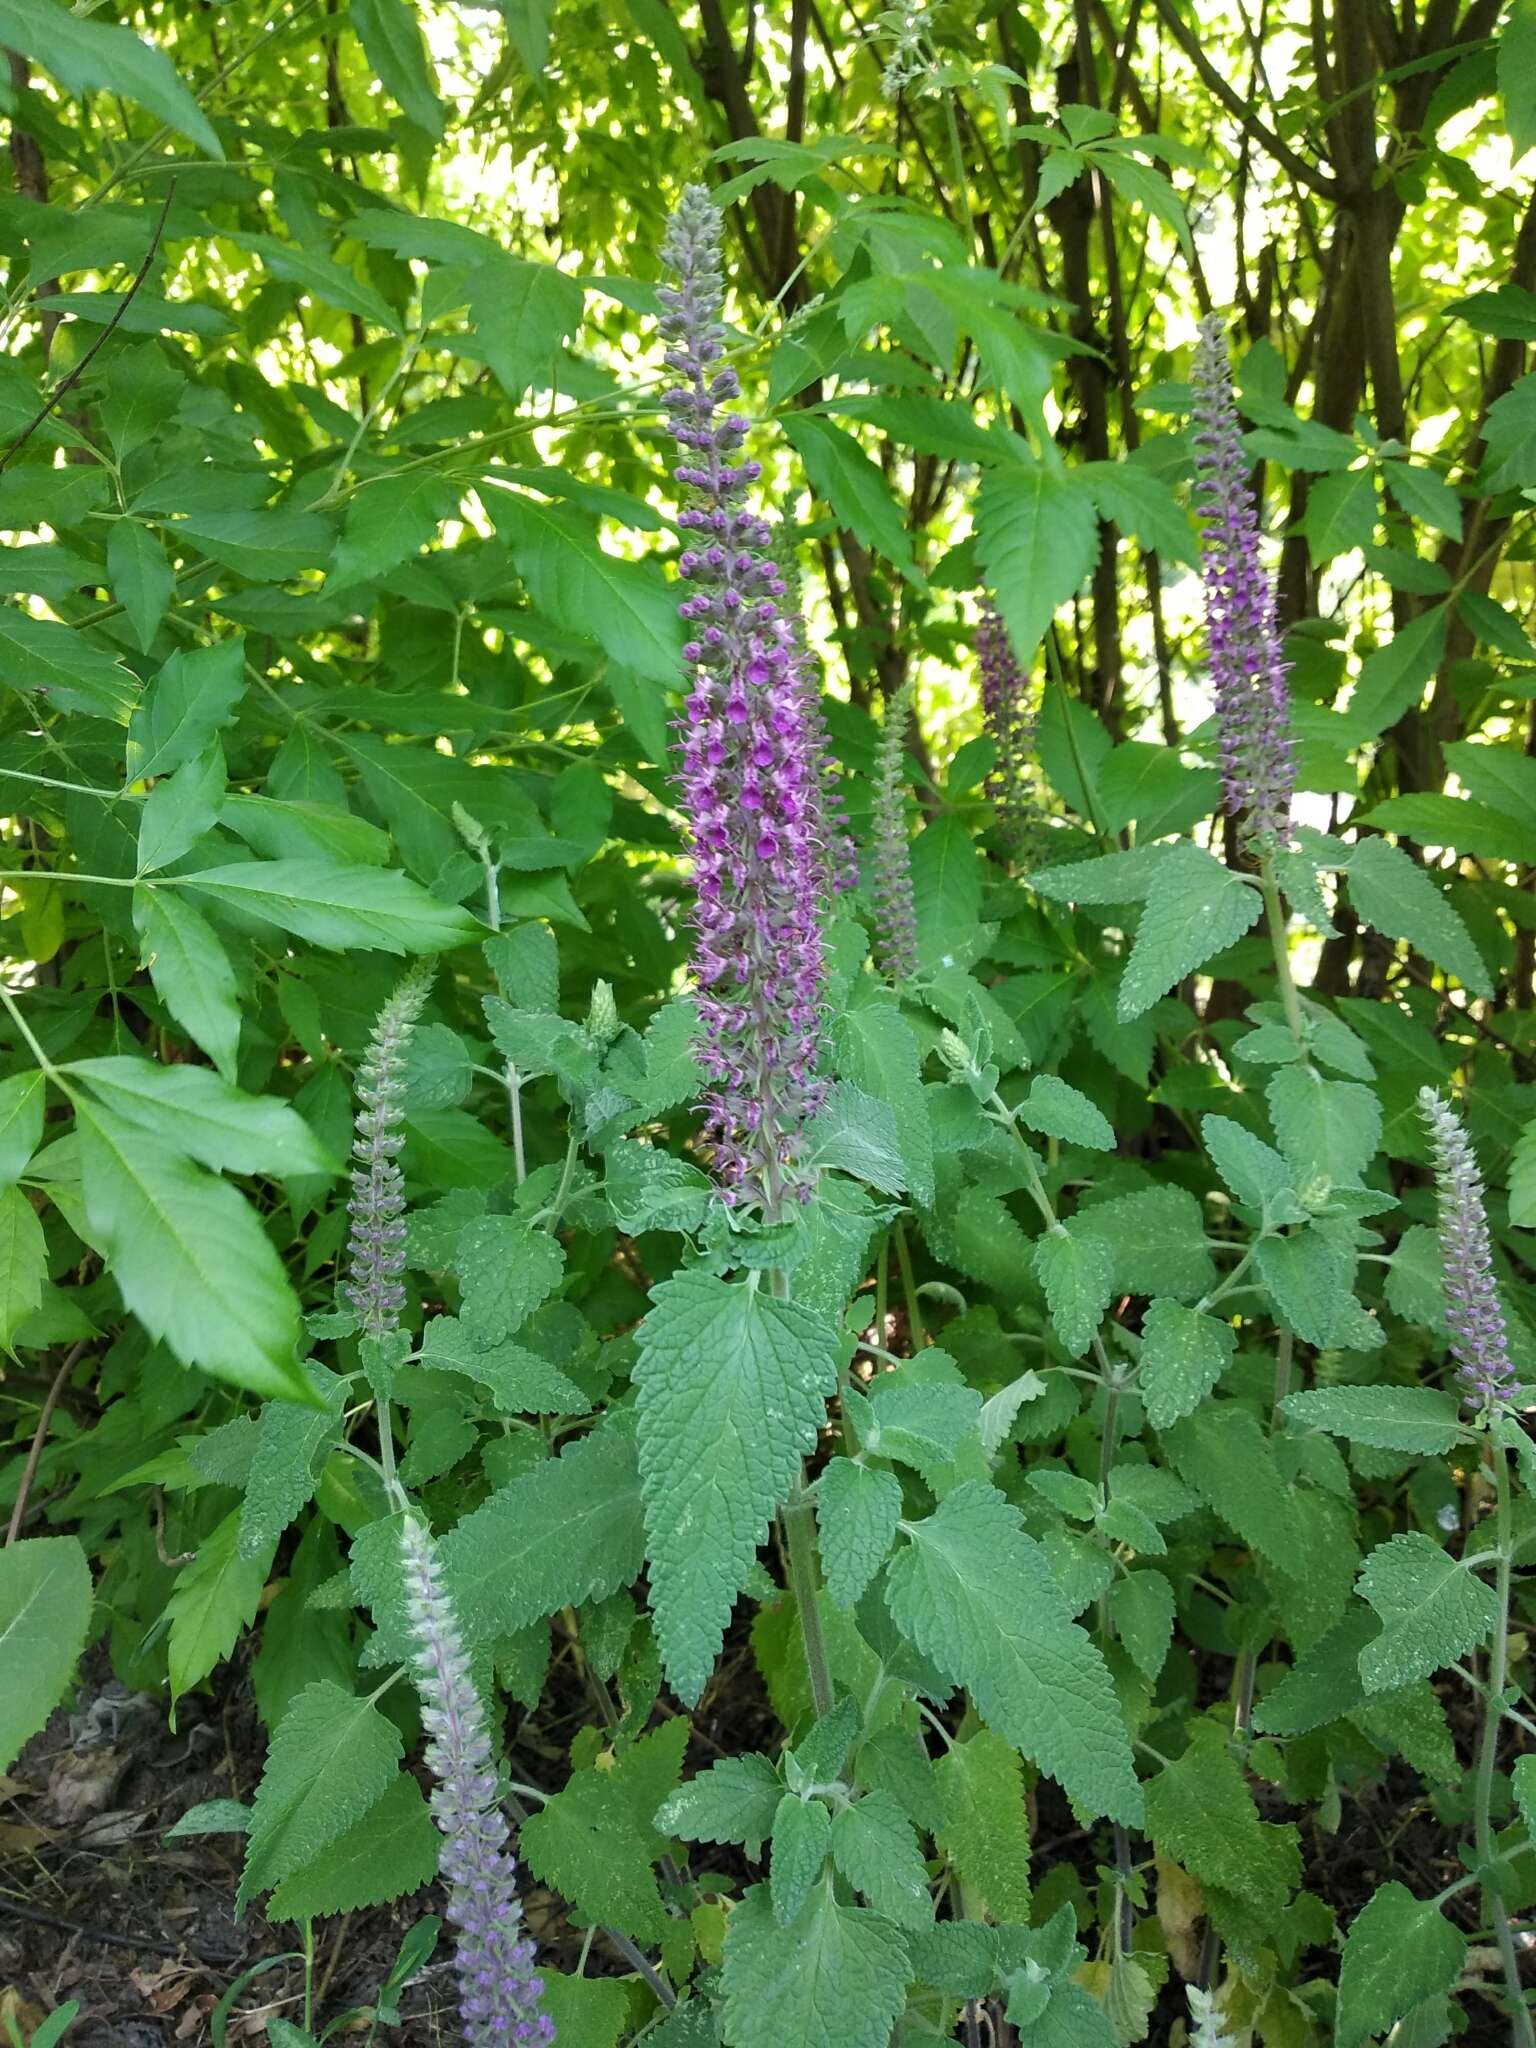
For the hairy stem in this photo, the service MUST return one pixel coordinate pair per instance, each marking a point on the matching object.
(1488, 1751)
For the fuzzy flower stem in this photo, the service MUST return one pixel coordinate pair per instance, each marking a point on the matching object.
(1242, 635)
(1009, 718)
(376, 1246)
(500, 1997)
(890, 859)
(751, 763)
(1479, 1342)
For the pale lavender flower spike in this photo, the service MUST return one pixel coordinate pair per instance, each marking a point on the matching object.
(376, 1247)
(890, 862)
(1009, 718)
(500, 1993)
(1479, 1341)
(1242, 636)
(752, 779)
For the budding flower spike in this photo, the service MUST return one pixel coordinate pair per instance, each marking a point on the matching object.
(890, 878)
(1009, 718)
(376, 1247)
(752, 779)
(500, 1995)
(1479, 1341)
(1253, 706)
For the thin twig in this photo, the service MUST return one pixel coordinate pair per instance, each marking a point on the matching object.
(39, 1437)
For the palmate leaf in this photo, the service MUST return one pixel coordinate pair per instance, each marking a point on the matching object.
(45, 1611)
(974, 1593)
(733, 1385)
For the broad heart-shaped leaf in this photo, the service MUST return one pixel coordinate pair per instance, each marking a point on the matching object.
(1418, 1419)
(331, 1756)
(1399, 1952)
(735, 1800)
(1402, 902)
(189, 1257)
(594, 1840)
(732, 1387)
(201, 1115)
(1433, 1610)
(506, 1268)
(569, 1530)
(93, 56)
(390, 1852)
(835, 1978)
(1195, 909)
(975, 1594)
(624, 606)
(1183, 1355)
(1328, 1130)
(1201, 1814)
(985, 1833)
(1060, 1111)
(1037, 537)
(336, 906)
(875, 1849)
(45, 1611)
(1076, 1270)
(191, 973)
(857, 1509)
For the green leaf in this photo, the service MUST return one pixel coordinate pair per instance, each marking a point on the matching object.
(858, 1134)
(1340, 514)
(1328, 1130)
(1224, 1454)
(1517, 75)
(321, 278)
(1402, 902)
(877, 1051)
(180, 809)
(1432, 1608)
(842, 474)
(40, 654)
(1141, 1605)
(93, 56)
(214, 1598)
(1155, 1238)
(569, 1530)
(1059, 1111)
(21, 1122)
(391, 519)
(975, 1594)
(284, 1467)
(196, 1112)
(1142, 504)
(23, 1263)
(623, 605)
(733, 1386)
(1393, 679)
(985, 1833)
(837, 1974)
(519, 1381)
(1201, 1814)
(393, 43)
(523, 313)
(802, 1834)
(388, 1854)
(735, 1800)
(508, 1268)
(875, 1849)
(1255, 1172)
(857, 1509)
(191, 699)
(1195, 908)
(191, 973)
(1075, 1269)
(1419, 1419)
(1424, 494)
(141, 578)
(189, 1257)
(1522, 1180)
(337, 906)
(330, 1758)
(1037, 537)
(1399, 1952)
(45, 1614)
(1309, 1277)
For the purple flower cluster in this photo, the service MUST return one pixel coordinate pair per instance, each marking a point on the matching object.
(500, 1996)
(376, 1247)
(890, 876)
(1242, 636)
(1479, 1343)
(1009, 717)
(752, 779)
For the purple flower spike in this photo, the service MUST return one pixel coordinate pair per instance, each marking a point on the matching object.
(500, 1995)
(1009, 718)
(890, 877)
(752, 763)
(1479, 1343)
(376, 1247)
(1253, 705)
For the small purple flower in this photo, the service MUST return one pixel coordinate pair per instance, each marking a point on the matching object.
(377, 1244)
(752, 775)
(1479, 1343)
(1253, 706)
(500, 1996)
(890, 865)
(1009, 717)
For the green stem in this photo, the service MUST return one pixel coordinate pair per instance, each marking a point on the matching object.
(1488, 1750)
(909, 1289)
(1279, 941)
(797, 1520)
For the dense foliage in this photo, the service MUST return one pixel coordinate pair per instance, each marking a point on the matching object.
(919, 1367)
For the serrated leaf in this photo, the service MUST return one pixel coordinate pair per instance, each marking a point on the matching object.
(843, 475)
(1399, 1952)
(875, 1849)
(191, 973)
(1419, 1419)
(1076, 1270)
(1195, 908)
(1402, 902)
(336, 906)
(520, 1382)
(625, 606)
(1433, 1610)
(1327, 1130)
(1155, 1238)
(392, 518)
(91, 56)
(802, 1835)
(975, 1594)
(21, 1122)
(23, 1262)
(1057, 1110)
(214, 1598)
(506, 1268)
(1037, 537)
(45, 1613)
(141, 577)
(200, 1114)
(732, 1387)
(858, 1134)
(1223, 1453)
(588, 1843)
(389, 1853)
(735, 1800)
(330, 1758)
(1141, 1605)
(835, 1978)
(857, 1509)
(877, 1051)
(397, 51)
(181, 809)
(1200, 1814)
(1183, 1355)
(190, 699)
(283, 1477)
(985, 1833)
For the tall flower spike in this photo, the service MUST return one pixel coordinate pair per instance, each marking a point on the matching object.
(890, 865)
(1010, 723)
(751, 763)
(500, 1996)
(1479, 1342)
(377, 1244)
(1253, 706)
